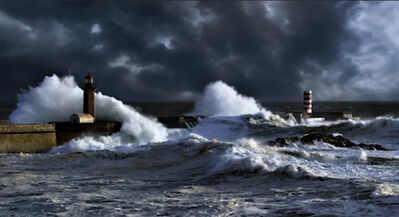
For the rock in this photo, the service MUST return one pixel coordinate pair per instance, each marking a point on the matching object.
(338, 141)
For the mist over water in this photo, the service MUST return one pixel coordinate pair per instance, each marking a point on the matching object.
(225, 165)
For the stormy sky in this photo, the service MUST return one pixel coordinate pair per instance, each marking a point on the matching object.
(168, 51)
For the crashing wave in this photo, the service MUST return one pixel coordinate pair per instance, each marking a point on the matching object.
(220, 99)
(55, 99)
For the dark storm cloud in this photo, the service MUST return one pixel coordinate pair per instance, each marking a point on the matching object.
(146, 51)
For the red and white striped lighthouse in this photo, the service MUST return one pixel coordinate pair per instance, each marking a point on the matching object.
(307, 101)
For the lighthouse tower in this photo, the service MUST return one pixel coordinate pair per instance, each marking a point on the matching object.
(307, 101)
(89, 105)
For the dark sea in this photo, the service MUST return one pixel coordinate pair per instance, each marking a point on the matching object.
(224, 166)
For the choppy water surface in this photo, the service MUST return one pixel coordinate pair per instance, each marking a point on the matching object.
(238, 173)
(224, 166)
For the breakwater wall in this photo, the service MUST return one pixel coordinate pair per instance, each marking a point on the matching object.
(317, 116)
(39, 138)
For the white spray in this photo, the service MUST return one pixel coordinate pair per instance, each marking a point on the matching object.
(220, 99)
(55, 99)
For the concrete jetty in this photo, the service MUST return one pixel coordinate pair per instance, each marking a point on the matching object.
(30, 138)
(317, 116)
(39, 138)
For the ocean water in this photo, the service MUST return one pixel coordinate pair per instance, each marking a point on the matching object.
(224, 166)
